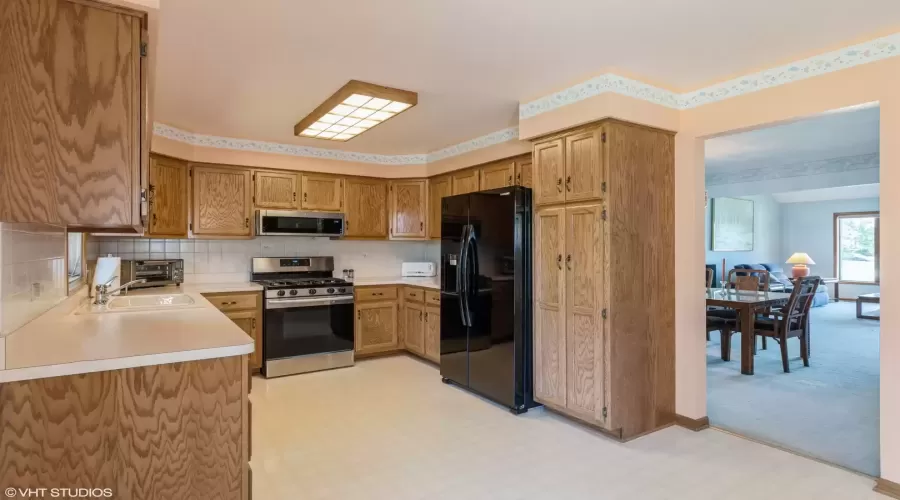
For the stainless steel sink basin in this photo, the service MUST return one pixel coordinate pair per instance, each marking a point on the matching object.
(136, 303)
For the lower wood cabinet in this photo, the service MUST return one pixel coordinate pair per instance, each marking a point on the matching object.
(433, 333)
(395, 318)
(414, 327)
(376, 327)
(245, 310)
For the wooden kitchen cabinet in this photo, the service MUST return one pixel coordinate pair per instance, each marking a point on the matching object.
(438, 188)
(466, 181)
(221, 201)
(245, 310)
(73, 127)
(274, 190)
(376, 327)
(414, 327)
(549, 172)
(251, 323)
(366, 214)
(433, 333)
(168, 198)
(524, 172)
(321, 192)
(591, 261)
(409, 209)
(497, 175)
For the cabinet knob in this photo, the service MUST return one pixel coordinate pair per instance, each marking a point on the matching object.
(559, 261)
(426, 317)
(304, 196)
(509, 181)
(569, 262)
(421, 226)
(247, 222)
(559, 184)
(569, 183)
(295, 196)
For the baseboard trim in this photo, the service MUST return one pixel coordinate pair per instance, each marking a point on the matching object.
(694, 424)
(886, 487)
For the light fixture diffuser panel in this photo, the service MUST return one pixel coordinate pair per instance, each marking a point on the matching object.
(353, 109)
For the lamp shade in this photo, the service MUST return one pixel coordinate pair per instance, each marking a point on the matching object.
(800, 258)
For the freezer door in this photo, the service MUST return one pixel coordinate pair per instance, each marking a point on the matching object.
(454, 335)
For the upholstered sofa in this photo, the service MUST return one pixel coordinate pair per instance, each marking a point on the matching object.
(777, 275)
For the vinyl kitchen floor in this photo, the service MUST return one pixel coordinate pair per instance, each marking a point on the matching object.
(389, 429)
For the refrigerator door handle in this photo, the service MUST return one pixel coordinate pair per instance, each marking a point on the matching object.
(471, 272)
(461, 276)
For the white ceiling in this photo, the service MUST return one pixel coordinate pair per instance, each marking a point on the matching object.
(856, 192)
(252, 69)
(833, 135)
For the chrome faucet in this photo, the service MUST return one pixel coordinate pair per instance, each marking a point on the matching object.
(104, 293)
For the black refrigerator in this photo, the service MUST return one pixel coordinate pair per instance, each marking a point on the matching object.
(486, 341)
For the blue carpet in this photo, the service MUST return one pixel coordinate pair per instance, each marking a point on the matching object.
(828, 410)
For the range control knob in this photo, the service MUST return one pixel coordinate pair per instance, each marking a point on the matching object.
(281, 293)
(312, 291)
(293, 292)
(342, 290)
(330, 290)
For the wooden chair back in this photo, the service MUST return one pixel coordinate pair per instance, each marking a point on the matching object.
(748, 280)
(798, 306)
(709, 277)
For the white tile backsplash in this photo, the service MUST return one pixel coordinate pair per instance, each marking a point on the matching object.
(210, 261)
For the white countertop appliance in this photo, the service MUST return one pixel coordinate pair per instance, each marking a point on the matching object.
(418, 269)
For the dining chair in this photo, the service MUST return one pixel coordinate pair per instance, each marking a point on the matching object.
(710, 274)
(792, 320)
(740, 280)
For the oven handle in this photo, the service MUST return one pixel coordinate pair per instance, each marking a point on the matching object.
(291, 303)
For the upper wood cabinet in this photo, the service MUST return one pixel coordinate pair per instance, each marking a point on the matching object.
(221, 201)
(408, 209)
(438, 188)
(570, 168)
(73, 127)
(466, 181)
(168, 197)
(276, 190)
(497, 175)
(321, 192)
(366, 214)
(524, 172)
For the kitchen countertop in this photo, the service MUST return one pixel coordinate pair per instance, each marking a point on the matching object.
(432, 282)
(61, 342)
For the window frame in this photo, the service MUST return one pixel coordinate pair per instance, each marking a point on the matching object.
(837, 245)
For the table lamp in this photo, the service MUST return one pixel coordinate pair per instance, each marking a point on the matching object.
(800, 260)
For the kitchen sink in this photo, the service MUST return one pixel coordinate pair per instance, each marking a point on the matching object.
(134, 303)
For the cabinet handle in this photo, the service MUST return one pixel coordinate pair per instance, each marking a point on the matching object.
(569, 262)
(420, 314)
(154, 219)
(519, 178)
(509, 181)
(247, 222)
(559, 261)
(304, 196)
(421, 226)
(559, 184)
(426, 317)
(295, 196)
(569, 183)
(253, 323)
(358, 315)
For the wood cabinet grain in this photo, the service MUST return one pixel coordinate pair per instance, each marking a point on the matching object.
(550, 346)
(549, 172)
(251, 322)
(438, 188)
(275, 190)
(409, 209)
(433, 333)
(366, 214)
(168, 197)
(245, 310)
(584, 165)
(414, 327)
(321, 192)
(497, 175)
(376, 327)
(221, 201)
(466, 181)
(524, 172)
(72, 132)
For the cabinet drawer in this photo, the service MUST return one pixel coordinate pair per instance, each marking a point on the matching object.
(233, 302)
(413, 294)
(432, 297)
(376, 293)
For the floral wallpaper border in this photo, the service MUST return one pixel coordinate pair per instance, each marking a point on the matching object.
(873, 50)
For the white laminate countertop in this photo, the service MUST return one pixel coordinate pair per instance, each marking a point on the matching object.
(433, 282)
(61, 342)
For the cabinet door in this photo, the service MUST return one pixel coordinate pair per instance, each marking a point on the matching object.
(71, 114)
(585, 329)
(438, 188)
(322, 192)
(408, 209)
(367, 207)
(584, 172)
(275, 190)
(465, 181)
(168, 199)
(497, 175)
(221, 201)
(376, 327)
(249, 321)
(549, 171)
(523, 173)
(414, 327)
(550, 306)
(433, 333)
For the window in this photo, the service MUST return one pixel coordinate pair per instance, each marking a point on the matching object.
(856, 255)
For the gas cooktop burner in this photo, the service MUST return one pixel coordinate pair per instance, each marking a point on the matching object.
(303, 282)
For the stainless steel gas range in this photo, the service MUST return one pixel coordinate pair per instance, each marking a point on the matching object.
(308, 315)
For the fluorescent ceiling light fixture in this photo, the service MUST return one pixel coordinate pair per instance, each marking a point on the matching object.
(353, 109)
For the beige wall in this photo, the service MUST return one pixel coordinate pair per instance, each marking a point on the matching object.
(873, 82)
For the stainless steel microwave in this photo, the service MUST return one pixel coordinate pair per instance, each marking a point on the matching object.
(291, 223)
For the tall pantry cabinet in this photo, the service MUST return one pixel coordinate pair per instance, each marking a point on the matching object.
(604, 326)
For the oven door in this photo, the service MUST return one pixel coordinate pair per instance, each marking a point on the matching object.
(299, 327)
